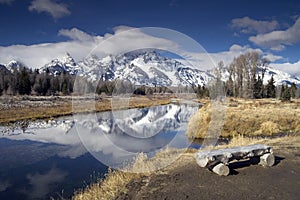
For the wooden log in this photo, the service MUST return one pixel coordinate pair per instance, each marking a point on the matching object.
(267, 159)
(221, 169)
(218, 160)
(202, 161)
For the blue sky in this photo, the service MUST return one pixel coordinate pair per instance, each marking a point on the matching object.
(221, 27)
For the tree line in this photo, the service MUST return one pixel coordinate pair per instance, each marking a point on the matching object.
(25, 81)
(246, 74)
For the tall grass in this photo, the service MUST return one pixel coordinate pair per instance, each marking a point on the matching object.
(115, 181)
(108, 188)
(249, 117)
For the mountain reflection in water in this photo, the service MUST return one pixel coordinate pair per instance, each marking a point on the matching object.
(53, 158)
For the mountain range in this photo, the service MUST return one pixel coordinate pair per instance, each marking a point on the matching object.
(143, 68)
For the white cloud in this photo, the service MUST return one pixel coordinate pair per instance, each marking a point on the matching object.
(247, 25)
(52, 7)
(234, 51)
(124, 39)
(291, 68)
(8, 2)
(81, 45)
(76, 34)
(277, 40)
(36, 56)
(271, 57)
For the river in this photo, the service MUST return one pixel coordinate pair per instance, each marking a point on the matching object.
(54, 158)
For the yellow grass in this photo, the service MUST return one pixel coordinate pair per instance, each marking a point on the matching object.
(249, 117)
(108, 188)
(55, 107)
(243, 118)
(115, 182)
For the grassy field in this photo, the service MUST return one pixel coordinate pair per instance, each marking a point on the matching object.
(13, 109)
(249, 118)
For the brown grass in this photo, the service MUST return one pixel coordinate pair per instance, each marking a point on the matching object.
(249, 117)
(108, 188)
(16, 108)
(243, 118)
(115, 182)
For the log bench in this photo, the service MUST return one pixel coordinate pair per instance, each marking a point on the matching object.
(218, 160)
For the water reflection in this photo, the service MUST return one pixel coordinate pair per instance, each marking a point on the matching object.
(116, 138)
(49, 157)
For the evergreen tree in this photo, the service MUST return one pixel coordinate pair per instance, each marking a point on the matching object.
(285, 93)
(65, 89)
(258, 88)
(54, 85)
(24, 84)
(270, 88)
(293, 90)
(38, 85)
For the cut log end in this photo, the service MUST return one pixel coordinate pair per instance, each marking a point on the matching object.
(267, 159)
(221, 169)
(202, 162)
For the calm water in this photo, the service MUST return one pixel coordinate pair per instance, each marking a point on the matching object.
(54, 158)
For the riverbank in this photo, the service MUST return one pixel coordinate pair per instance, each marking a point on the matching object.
(184, 179)
(248, 117)
(245, 120)
(17, 108)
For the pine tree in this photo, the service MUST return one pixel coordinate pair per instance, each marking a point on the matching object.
(285, 93)
(24, 84)
(293, 90)
(258, 88)
(270, 88)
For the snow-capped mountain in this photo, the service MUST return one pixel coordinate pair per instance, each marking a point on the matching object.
(280, 77)
(141, 123)
(143, 68)
(64, 64)
(14, 65)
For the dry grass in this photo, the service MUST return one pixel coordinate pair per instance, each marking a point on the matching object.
(16, 108)
(108, 188)
(249, 117)
(115, 181)
(243, 118)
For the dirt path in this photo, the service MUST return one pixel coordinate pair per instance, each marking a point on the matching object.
(188, 181)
